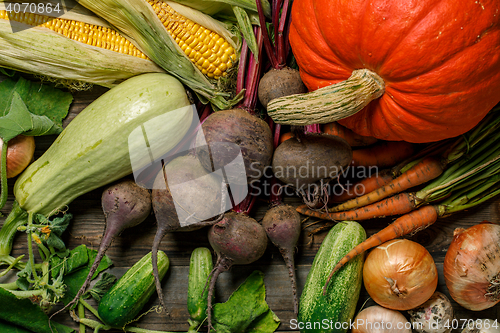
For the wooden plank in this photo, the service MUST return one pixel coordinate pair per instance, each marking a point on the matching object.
(88, 225)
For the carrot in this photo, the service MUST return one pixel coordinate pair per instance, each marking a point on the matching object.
(396, 205)
(383, 154)
(353, 139)
(406, 224)
(285, 136)
(365, 185)
(422, 172)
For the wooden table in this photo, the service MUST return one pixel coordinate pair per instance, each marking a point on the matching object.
(88, 224)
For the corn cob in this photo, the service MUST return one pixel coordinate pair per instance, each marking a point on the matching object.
(77, 47)
(139, 20)
(82, 32)
(210, 52)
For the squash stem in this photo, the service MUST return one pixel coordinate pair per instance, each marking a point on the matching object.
(3, 171)
(81, 314)
(9, 286)
(330, 103)
(30, 249)
(16, 218)
(12, 262)
(89, 307)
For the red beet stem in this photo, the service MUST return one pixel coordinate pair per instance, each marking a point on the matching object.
(161, 231)
(290, 264)
(315, 128)
(267, 41)
(242, 64)
(253, 75)
(222, 265)
(282, 35)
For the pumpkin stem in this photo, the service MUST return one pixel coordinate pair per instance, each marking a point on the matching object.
(330, 103)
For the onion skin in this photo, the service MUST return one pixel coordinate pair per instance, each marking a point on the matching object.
(376, 319)
(20, 152)
(400, 274)
(472, 266)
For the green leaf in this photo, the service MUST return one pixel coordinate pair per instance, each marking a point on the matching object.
(56, 242)
(6, 327)
(31, 108)
(268, 322)
(244, 306)
(77, 258)
(20, 121)
(45, 100)
(75, 280)
(246, 30)
(24, 313)
(7, 72)
(101, 287)
(59, 224)
(17, 119)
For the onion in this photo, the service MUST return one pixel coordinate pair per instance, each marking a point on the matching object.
(400, 274)
(434, 316)
(20, 152)
(376, 319)
(472, 266)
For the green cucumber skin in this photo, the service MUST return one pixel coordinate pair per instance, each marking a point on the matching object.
(339, 304)
(200, 267)
(123, 302)
(93, 149)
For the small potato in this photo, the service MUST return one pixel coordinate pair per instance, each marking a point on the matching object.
(433, 315)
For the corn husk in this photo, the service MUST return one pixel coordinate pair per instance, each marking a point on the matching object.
(41, 51)
(137, 20)
(243, 12)
(220, 8)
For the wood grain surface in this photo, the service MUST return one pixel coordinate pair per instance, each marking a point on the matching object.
(88, 224)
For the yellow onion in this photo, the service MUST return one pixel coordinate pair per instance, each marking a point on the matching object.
(472, 266)
(20, 152)
(400, 274)
(376, 319)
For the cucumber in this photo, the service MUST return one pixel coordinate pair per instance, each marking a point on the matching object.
(334, 311)
(125, 299)
(93, 150)
(200, 267)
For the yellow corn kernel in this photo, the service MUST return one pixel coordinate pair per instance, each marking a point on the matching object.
(202, 46)
(79, 31)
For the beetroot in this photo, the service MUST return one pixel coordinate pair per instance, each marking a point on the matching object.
(198, 198)
(238, 240)
(309, 161)
(279, 83)
(125, 205)
(225, 133)
(282, 225)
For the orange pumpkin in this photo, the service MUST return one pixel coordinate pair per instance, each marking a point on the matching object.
(439, 60)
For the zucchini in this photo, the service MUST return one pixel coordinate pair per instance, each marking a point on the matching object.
(334, 311)
(93, 150)
(125, 299)
(200, 267)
